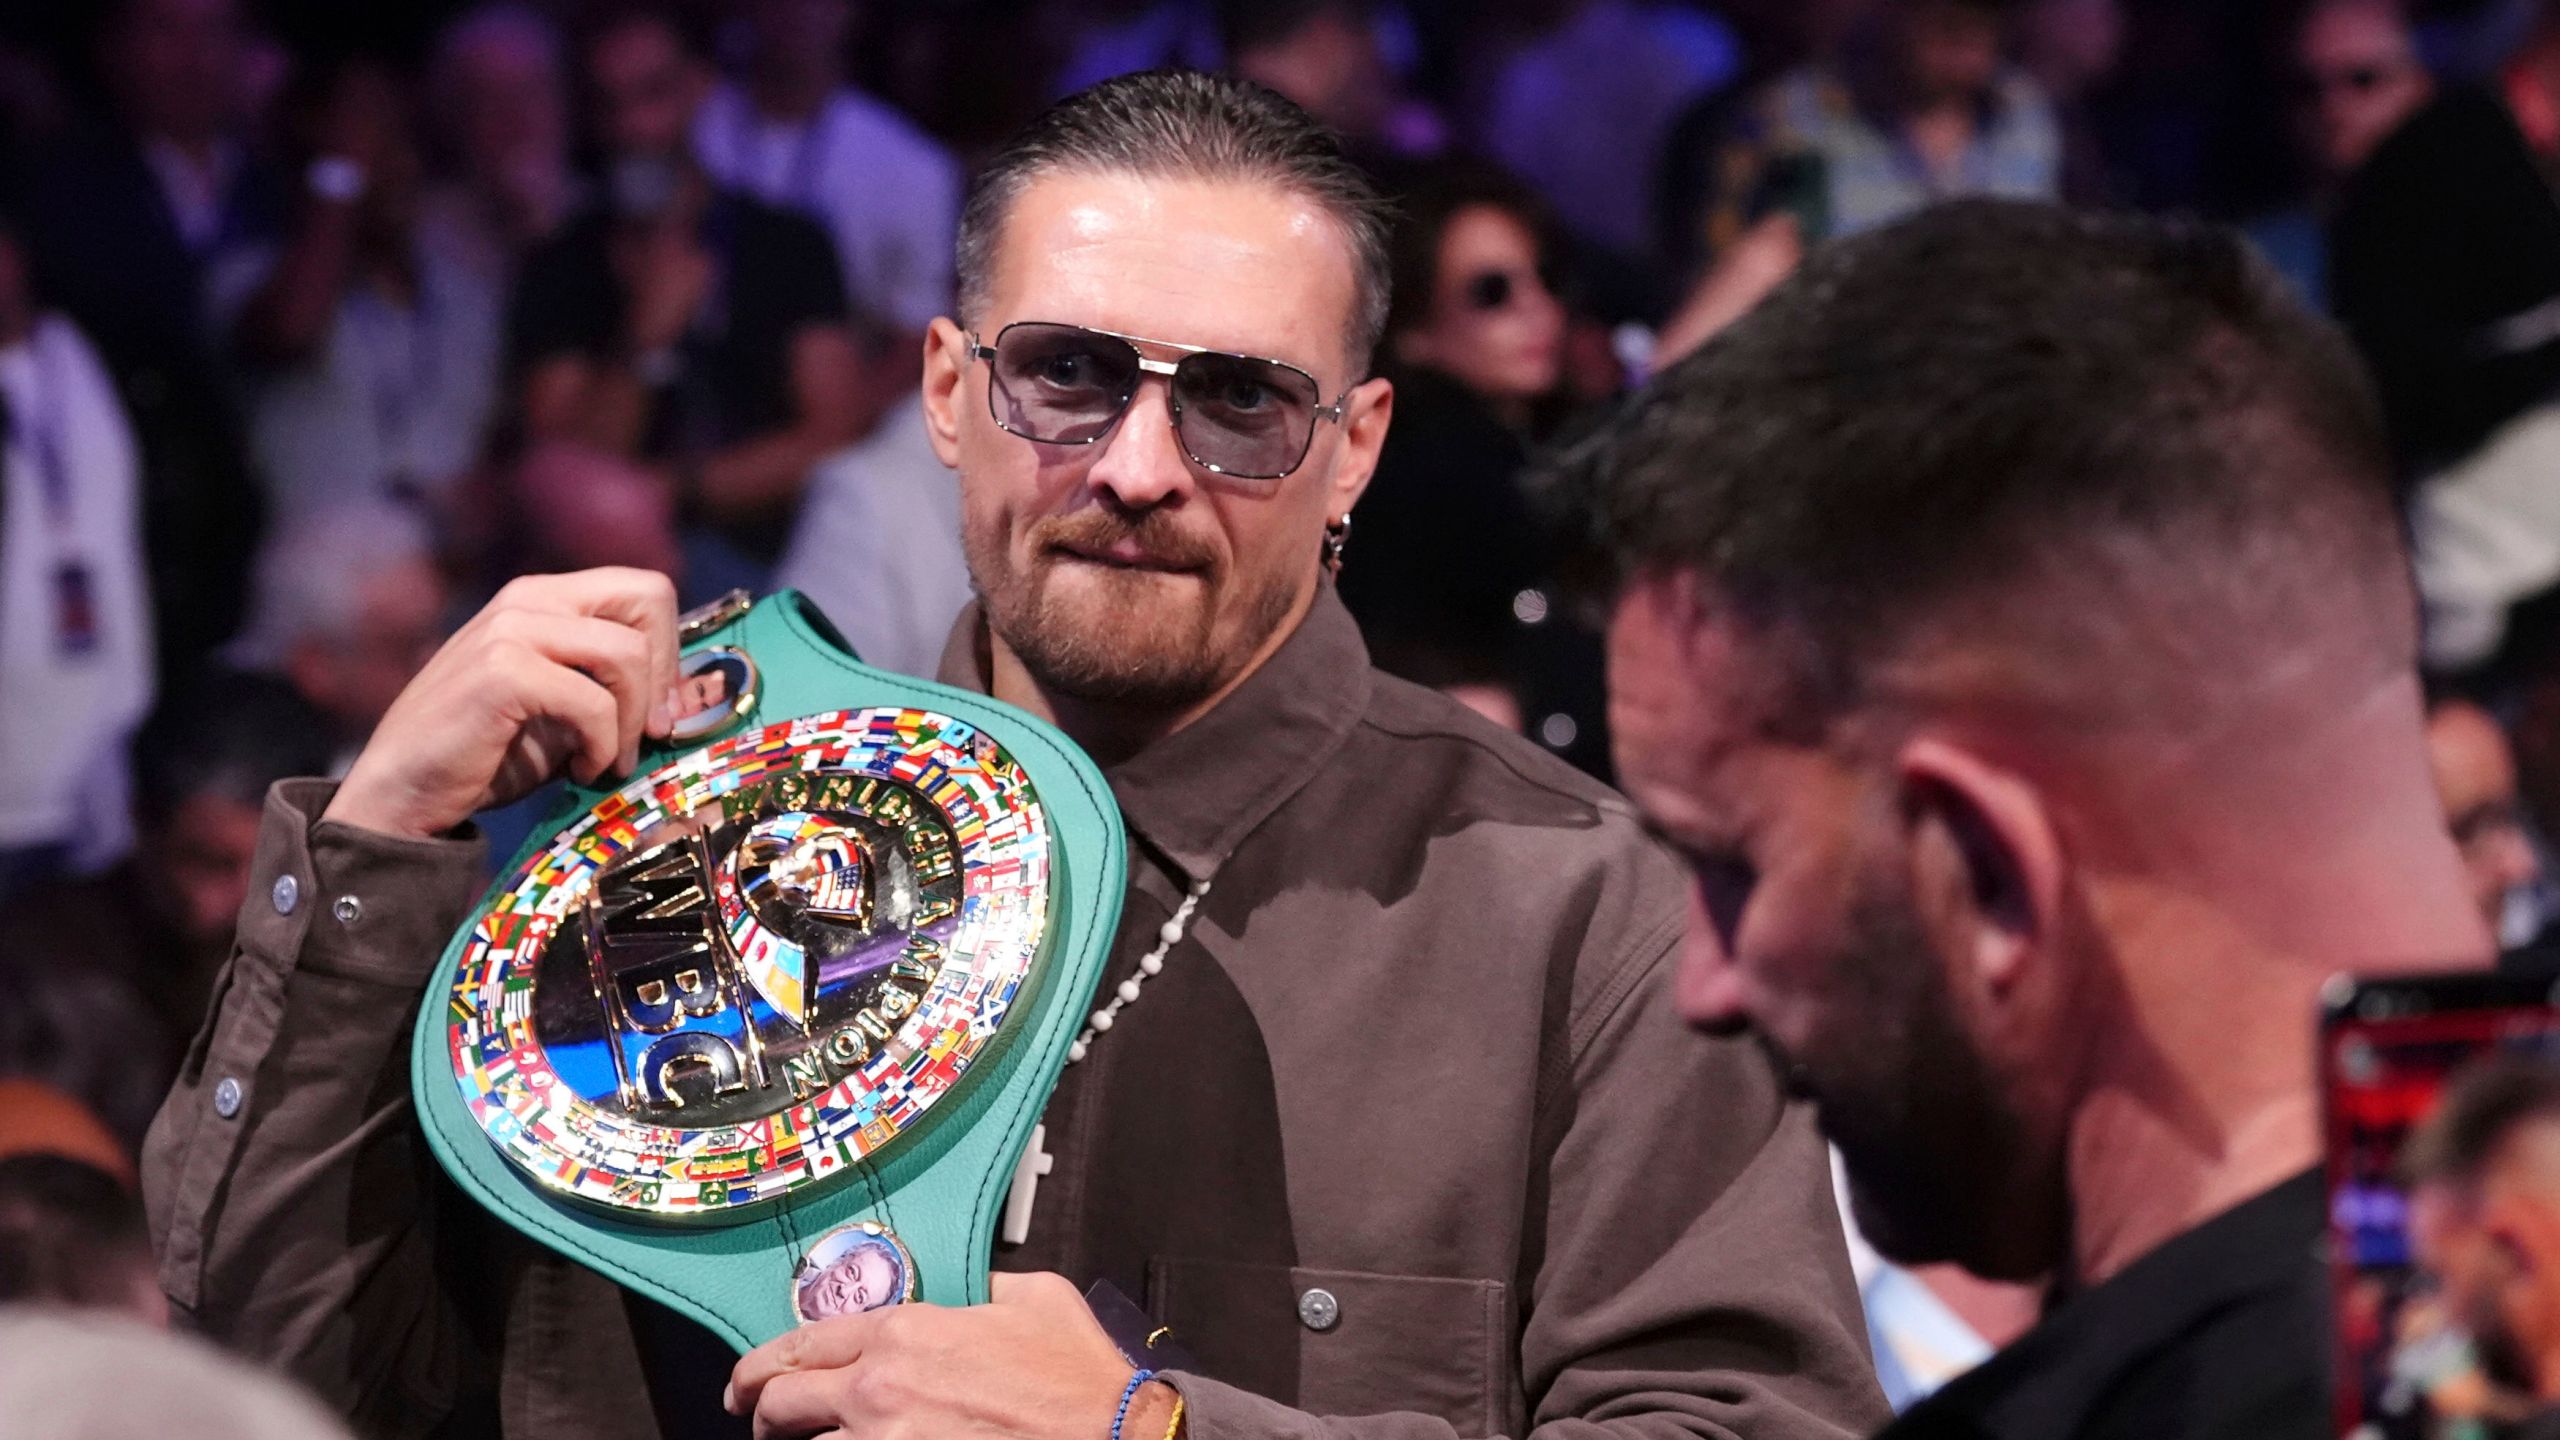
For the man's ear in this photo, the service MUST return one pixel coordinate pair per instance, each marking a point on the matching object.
(946, 366)
(1365, 414)
(1989, 855)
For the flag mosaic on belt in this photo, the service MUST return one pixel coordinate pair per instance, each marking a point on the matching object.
(577, 1148)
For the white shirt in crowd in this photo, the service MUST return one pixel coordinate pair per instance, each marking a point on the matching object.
(877, 545)
(396, 401)
(888, 195)
(75, 614)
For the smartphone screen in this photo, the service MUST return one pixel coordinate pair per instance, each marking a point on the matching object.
(2409, 1366)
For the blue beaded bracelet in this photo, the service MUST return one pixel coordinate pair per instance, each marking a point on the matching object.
(1122, 1416)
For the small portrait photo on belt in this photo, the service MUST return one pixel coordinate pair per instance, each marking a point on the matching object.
(860, 1267)
(716, 689)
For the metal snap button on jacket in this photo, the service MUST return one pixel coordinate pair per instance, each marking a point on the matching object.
(1318, 1310)
(226, 1097)
(287, 893)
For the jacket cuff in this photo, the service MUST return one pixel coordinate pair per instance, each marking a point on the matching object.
(333, 898)
(1215, 1410)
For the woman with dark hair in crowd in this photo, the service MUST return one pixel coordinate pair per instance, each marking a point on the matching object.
(1447, 572)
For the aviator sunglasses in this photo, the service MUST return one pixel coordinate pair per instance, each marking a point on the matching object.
(1236, 415)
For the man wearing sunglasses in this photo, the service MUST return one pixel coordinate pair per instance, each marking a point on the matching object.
(1377, 1112)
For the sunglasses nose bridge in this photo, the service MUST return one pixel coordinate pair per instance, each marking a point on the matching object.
(1139, 464)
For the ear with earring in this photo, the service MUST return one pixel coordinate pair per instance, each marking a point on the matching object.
(1337, 537)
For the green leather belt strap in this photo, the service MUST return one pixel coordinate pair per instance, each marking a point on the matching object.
(763, 1032)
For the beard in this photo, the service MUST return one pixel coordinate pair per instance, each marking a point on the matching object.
(1126, 638)
(1931, 1144)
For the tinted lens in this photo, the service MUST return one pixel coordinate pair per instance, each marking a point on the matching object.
(1059, 383)
(1250, 418)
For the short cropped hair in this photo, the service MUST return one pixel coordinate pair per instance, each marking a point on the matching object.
(2481, 1110)
(1193, 125)
(1995, 396)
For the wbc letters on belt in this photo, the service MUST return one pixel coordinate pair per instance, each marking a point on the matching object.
(750, 969)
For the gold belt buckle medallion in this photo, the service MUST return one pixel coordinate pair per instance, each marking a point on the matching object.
(747, 971)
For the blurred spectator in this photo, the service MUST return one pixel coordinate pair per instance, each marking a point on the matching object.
(581, 507)
(497, 92)
(2476, 777)
(122, 218)
(369, 359)
(1746, 269)
(2484, 1171)
(71, 1234)
(1325, 55)
(75, 615)
(1918, 108)
(37, 1119)
(1474, 341)
(1582, 108)
(2070, 47)
(796, 135)
(2445, 266)
(2357, 64)
(878, 545)
(2355, 77)
(108, 976)
(682, 324)
(349, 605)
(94, 1377)
(83, 1033)
(1113, 37)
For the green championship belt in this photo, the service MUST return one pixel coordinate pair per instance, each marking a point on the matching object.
(762, 1033)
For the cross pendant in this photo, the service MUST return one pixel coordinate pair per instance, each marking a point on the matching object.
(1036, 1162)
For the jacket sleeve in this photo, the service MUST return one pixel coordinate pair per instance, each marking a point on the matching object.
(1692, 1279)
(291, 1199)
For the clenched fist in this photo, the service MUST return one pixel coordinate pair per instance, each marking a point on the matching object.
(560, 674)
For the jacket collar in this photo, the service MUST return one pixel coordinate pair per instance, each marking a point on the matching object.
(1194, 795)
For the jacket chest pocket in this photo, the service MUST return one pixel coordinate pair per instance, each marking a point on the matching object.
(1345, 1342)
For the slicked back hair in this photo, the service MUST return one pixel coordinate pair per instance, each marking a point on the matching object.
(1976, 409)
(1190, 125)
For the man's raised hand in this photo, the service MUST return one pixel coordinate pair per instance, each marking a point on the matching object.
(559, 674)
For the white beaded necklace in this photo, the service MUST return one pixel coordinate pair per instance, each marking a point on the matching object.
(1168, 935)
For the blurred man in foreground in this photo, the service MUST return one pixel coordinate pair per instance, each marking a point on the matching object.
(2015, 638)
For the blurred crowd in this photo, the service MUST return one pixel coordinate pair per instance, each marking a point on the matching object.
(319, 324)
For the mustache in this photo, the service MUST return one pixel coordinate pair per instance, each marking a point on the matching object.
(1154, 531)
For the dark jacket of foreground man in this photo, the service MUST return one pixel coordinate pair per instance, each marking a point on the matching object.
(1416, 1050)
(2221, 1333)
